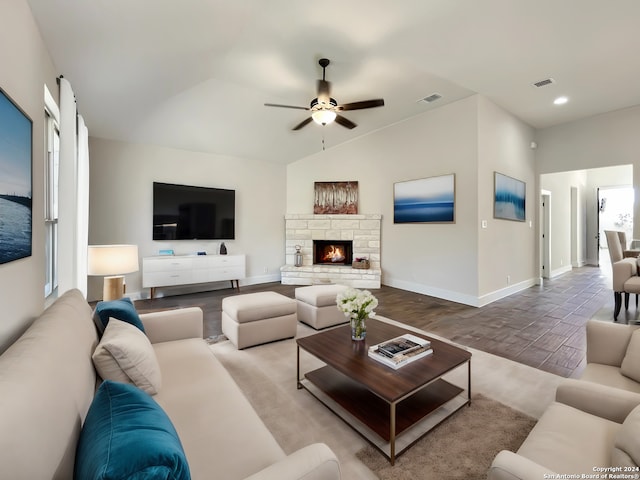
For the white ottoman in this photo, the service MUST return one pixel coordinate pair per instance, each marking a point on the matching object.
(255, 318)
(317, 305)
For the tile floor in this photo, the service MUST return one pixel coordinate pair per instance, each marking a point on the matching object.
(542, 326)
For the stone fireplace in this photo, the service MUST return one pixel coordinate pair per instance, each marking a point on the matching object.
(332, 252)
(315, 233)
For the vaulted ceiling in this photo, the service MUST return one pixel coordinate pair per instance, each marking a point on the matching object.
(195, 74)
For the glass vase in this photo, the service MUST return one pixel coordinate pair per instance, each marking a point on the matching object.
(358, 328)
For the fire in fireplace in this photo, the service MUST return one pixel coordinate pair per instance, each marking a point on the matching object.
(332, 252)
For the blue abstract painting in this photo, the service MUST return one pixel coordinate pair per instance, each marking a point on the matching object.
(15, 181)
(426, 200)
(509, 200)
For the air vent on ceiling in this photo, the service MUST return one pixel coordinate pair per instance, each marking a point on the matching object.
(544, 83)
(431, 98)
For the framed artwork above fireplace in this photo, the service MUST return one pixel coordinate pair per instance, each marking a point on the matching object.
(335, 198)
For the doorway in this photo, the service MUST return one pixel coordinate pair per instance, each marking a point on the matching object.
(615, 212)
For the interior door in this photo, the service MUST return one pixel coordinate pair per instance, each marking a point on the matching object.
(546, 235)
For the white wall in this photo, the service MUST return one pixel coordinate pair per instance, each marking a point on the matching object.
(122, 177)
(506, 249)
(26, 68)
(435, 259)
(606, 140)
(578, 227)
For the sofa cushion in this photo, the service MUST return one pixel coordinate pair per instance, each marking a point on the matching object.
(47, 382)
(568, 440)
(250, 307)
(631, 363)
(127, 435)
(125, 354)
(609, 376)
(320, 295)
(626, 448)
(122, 309)
(219, 429)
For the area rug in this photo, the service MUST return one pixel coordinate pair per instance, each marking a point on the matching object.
(267, 376)
(462, 447)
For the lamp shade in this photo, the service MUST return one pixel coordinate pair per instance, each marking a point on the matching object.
(323, 117)
(112, 259)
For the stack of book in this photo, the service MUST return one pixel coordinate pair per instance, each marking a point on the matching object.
(400, 351)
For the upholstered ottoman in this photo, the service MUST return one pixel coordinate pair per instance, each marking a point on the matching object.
(317, 305)
(255, 318)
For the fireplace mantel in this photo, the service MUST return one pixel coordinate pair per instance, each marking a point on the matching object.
(303, 229)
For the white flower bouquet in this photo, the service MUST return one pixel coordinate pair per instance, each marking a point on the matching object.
(357, 305)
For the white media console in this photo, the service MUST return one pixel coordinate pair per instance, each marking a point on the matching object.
(170, 270)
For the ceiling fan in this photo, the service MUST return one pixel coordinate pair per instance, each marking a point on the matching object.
(324, 109)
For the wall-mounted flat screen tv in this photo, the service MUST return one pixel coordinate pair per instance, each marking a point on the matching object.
(185, 212)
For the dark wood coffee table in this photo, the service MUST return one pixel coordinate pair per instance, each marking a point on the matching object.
(392, 409)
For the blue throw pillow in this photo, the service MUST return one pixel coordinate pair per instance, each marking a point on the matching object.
(127, 435)
(122, 309)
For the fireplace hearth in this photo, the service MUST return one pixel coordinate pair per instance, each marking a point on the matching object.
(332, 252)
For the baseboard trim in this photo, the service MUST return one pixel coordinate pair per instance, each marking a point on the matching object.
(431, 291)
(272, 277)
(560, 271)
(457, 297)
(505, 292)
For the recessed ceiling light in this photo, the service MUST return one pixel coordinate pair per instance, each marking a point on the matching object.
(560, 101)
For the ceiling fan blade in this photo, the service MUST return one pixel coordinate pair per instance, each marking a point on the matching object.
(306, 121)
(285, 106)
(324, 91)
(378, 102)
(345, 122)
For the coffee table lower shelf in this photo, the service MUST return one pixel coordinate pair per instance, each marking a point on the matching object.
(390, 427)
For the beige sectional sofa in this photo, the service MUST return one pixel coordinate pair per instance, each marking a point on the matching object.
(48, 380)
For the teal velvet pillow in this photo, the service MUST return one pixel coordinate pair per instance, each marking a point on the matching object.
(128, 436)
(122, 309)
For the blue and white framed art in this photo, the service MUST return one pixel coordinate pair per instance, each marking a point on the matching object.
(15, 181)
(509, 198)
(425, 200)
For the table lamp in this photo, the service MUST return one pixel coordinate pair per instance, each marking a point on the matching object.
(112, 261)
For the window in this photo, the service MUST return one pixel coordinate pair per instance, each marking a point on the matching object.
(51, 204)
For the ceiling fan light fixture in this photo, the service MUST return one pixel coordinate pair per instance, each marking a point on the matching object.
(323, 108)
(323, 117)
